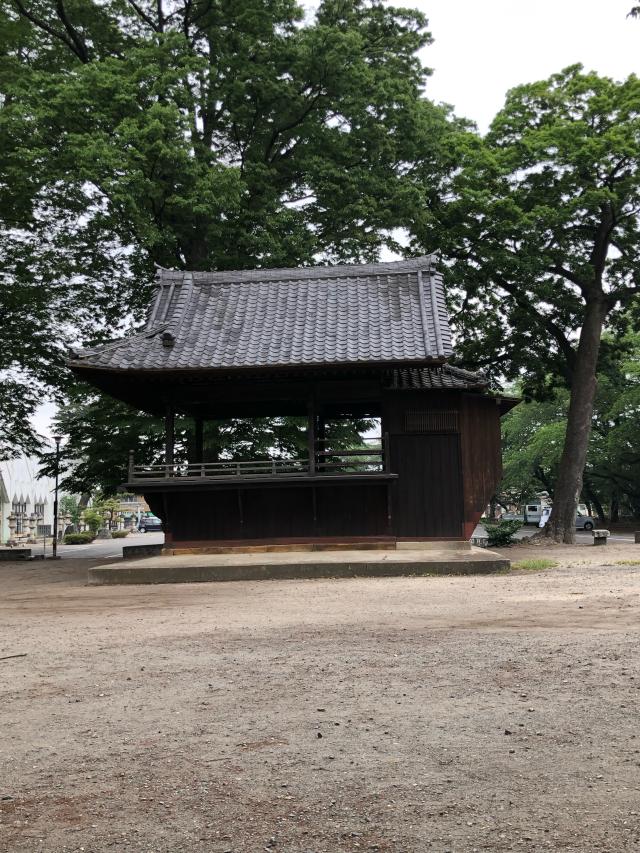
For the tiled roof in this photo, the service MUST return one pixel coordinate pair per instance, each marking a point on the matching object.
(442, 377)
(352, 314)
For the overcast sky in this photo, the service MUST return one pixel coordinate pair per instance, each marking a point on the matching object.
(483, 48)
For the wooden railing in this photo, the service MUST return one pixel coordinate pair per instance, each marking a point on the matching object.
(361, 460)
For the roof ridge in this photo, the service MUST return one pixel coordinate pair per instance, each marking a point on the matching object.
(297, 273)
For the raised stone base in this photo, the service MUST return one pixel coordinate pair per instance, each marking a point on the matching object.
(279, 566)
(12, 554)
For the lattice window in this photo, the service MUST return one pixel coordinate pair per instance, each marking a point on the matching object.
(431, 421)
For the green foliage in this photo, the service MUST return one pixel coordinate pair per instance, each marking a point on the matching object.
(70, 505)
(202, 135)
(79, 538)
(93, 519)
(108, 507)
(101, 431)
(540, 217)
(533, 437)
(500, 533)
(119, 534)
(540, 225)
(532, 441)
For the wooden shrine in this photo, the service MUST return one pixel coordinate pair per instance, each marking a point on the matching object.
(324, 343)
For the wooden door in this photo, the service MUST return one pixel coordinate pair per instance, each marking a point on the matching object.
(428, 493)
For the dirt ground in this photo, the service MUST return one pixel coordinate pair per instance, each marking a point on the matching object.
(405, 714)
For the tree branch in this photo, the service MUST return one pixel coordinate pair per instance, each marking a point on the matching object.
(558, 269)
(624, 295)
(143, 16)
(47, 28)
(81, 48)
(554, 330)
(598, 257)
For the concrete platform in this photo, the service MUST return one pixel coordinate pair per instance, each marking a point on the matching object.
(196, 568)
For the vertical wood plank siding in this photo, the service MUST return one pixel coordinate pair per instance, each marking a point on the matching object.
(272, 513)
(428, 495)
(481, 455)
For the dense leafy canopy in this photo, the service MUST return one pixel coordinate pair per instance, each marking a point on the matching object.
(538, 218)
(201, 134)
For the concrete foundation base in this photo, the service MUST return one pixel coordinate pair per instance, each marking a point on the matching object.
(271, 566)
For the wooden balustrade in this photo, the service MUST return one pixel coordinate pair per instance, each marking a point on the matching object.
(360, 460)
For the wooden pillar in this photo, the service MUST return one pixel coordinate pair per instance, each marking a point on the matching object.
(311, 435)
(322, 434)
(169, 434)
(198, 450)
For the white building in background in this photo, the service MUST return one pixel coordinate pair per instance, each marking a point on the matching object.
(26, 501)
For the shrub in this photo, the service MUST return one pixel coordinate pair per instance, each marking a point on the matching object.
(501, 532)
(119, 534)
(78, 538)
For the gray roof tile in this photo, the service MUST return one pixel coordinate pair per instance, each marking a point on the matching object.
(443, 377)
(392, 312)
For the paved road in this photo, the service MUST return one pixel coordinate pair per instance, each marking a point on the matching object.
(104, 548)
(581, 536)
(112, 548)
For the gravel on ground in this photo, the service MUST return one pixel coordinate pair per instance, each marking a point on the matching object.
(478, 713)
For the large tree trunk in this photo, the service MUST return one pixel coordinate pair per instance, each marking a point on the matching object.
(562, 524)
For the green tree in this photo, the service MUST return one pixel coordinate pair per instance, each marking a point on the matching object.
(533, 434)
(100, 432)
(93, 519)
(540, 225)
(201, 134)
(532, 439)
(69, 505)
(109, 508)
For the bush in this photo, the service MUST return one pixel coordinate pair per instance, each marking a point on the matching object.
(78, 538)
(119, 534)
(500, 533)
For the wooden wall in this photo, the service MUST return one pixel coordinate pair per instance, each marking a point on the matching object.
(272, 512)
(481, 455)
(444, 447)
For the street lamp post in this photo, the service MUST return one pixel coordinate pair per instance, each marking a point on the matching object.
(57, 439)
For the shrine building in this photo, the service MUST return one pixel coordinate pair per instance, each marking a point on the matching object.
(327, 344)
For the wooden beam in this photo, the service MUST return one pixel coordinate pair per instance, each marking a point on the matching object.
(169, 433)
(199, 440)
(322, 435)
(311, 435)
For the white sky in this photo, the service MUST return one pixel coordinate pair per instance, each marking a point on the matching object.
(482, 49)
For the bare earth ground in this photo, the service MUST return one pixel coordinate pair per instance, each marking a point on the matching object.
(405, 714)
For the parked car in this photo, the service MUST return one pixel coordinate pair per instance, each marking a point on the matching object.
(149, 523)
(583, 521)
